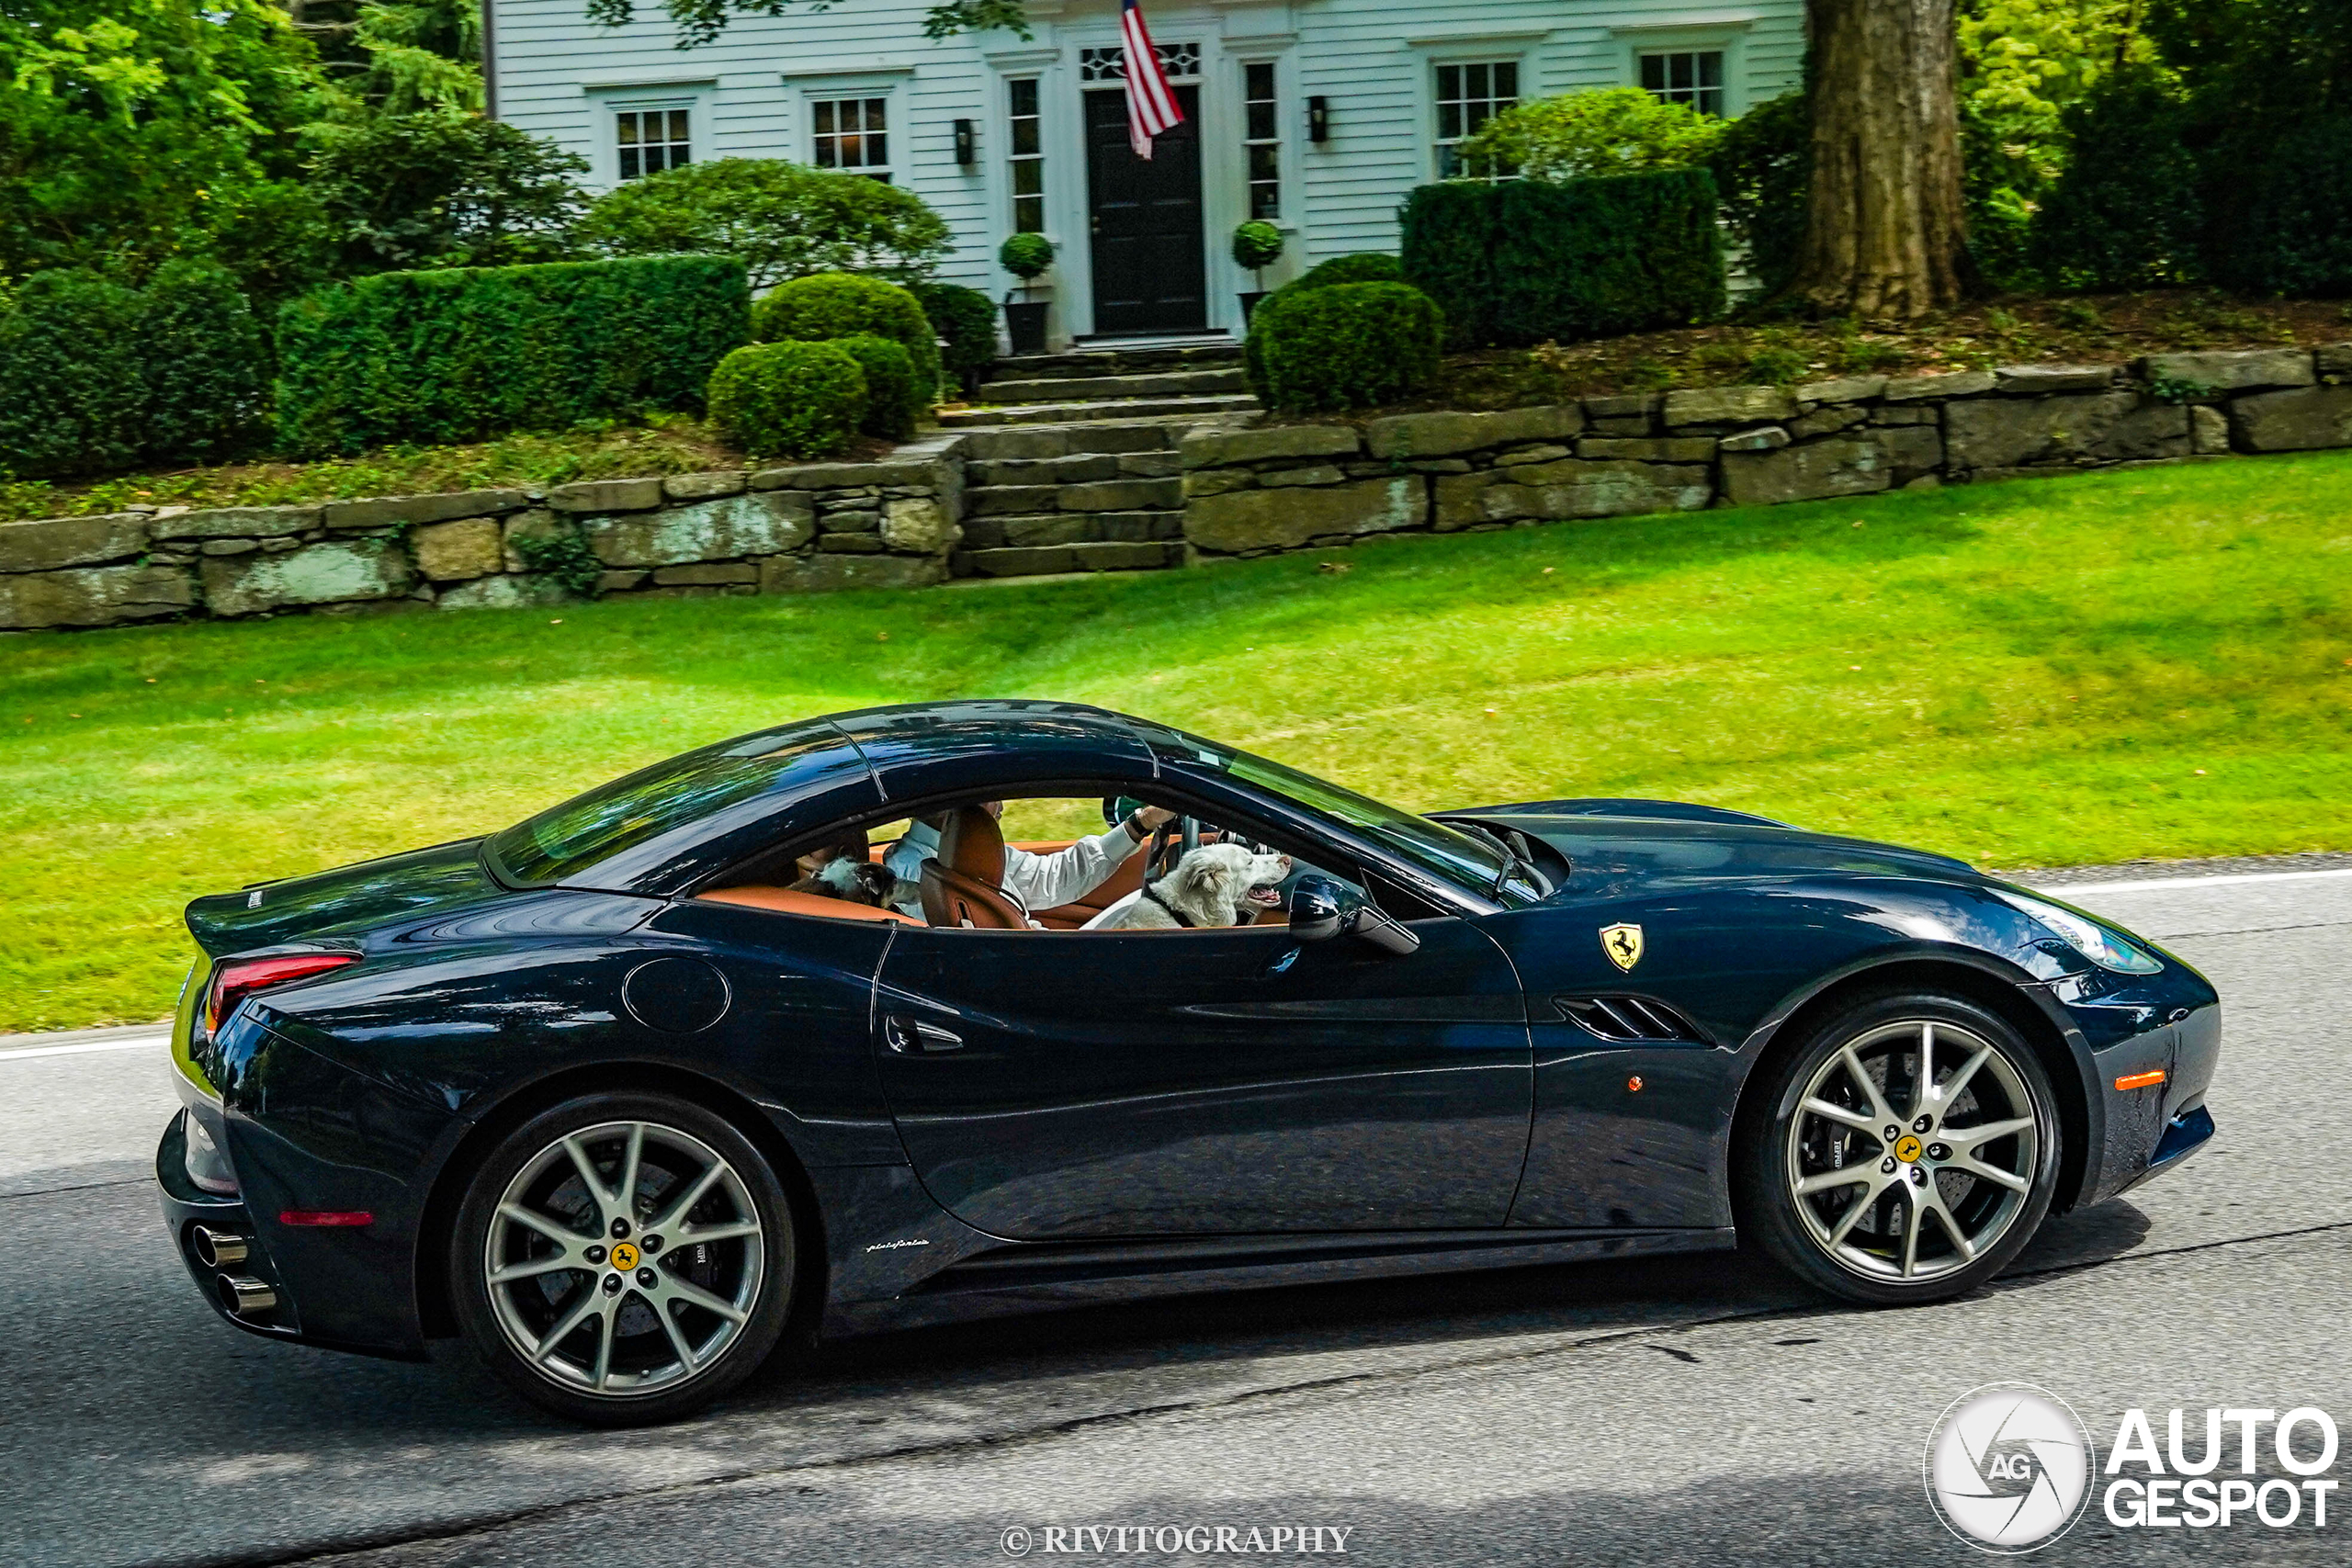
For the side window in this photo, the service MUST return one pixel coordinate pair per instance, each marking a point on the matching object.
(648, 140)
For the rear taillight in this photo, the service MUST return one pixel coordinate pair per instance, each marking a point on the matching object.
(240, 979)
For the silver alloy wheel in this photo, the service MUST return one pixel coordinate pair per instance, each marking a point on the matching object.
(1907, 1122)
(625, 1260)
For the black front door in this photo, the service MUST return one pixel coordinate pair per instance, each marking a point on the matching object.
(1150, 274)
(1155, 1084)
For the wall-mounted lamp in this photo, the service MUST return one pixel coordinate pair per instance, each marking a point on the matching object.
(1319, 120)
(968, 144)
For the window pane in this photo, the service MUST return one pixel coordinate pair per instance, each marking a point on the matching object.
(628, 164)
(1025, 98)
(1029, 178)
(1449, 121)
(680, 157)
(873, 113)
(853, 152)
(1654, 72)
(1507, 81)
(1029, 214)
(1026, 143)
(678, 126)
(1449, 80)
(1261, 80)
(1475, 82)
(1710, 70)
(1476, 114)
(628, 129)
(825, 156)
(825, 117)
(1265, 162)
(1261, 122)
(653, 163)
(1265, 201)
(877, 151)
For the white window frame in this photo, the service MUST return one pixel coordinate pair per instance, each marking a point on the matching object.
(1013, 158)
(893, 169)
(1695, 95)
(1485, 47)
(1439, 143)
(605, 164)
(1723, 35)
(1284, 135)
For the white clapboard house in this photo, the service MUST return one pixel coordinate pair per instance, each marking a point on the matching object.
(1319, 114)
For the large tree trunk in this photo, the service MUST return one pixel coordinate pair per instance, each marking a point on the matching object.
(1886, 239)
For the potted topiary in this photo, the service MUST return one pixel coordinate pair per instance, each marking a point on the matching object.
(1257, 245)
(1026, 256)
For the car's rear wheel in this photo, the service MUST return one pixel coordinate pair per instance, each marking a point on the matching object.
(624, 1258)
(1905, 1149)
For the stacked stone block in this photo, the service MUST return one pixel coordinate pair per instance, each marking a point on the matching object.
(1256, 491)
(1064, 498)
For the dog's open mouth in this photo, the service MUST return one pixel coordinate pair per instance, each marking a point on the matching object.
(1264, 897)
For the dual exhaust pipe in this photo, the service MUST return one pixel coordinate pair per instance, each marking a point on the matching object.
(241, 1296)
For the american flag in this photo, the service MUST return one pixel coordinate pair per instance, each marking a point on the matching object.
(1152, 110)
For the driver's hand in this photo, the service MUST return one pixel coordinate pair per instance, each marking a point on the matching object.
(1154, 817)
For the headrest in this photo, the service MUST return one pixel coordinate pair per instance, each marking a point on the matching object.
(973, 845)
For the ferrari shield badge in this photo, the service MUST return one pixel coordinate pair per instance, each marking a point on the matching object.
(1623, 945)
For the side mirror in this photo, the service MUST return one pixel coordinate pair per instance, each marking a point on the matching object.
(1384, 932)
(1315, 913)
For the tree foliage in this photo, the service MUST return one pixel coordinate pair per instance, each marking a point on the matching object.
(783, 219)
(701, 21)
(445, 188)
(1602, 130)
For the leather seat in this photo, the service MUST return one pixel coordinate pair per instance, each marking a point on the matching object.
(965, 886)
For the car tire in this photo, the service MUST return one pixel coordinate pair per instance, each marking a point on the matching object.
(1877, 1194)
(623, 1259)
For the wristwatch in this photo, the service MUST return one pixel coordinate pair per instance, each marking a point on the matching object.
(1134, 824)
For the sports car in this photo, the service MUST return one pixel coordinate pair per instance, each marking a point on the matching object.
(625, 1099)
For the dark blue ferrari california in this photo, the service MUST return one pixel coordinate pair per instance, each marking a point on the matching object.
(631, 1091)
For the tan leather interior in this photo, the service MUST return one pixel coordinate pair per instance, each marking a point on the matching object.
(965, 886)
(784, 901)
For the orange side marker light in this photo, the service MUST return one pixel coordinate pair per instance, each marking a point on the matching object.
(1634, 1084)
(2140, 1080)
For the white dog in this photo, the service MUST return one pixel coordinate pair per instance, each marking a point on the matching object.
(1217, 884)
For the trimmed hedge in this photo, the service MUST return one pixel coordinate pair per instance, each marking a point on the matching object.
(1350, 346)
(788, 400)
(95, 376)
(838, 305)
(462, 355)
(892, 402)
(1366, 266)
(965, 319)
(1520, 263)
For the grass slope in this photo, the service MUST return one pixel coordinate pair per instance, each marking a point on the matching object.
(2155, 662)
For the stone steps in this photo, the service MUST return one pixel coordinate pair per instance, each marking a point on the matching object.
(982, 416)
(1098, 389)
(1103, 362)
(1048, 498)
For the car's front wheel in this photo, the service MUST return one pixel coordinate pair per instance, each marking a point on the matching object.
(624, 1258)
(1907, 1148)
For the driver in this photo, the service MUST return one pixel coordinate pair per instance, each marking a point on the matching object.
(1039, 882)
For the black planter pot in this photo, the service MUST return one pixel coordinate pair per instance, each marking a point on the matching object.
(1250, 307)
(1027, 323)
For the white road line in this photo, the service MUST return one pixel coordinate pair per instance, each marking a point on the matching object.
(2154, 884)
(144, 1042)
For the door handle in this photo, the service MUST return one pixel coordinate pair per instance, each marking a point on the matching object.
(911, 1037)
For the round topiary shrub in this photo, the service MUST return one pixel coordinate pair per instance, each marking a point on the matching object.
(788, 400)
(1365, 266)
(893, 403)
(839, 304)
(965, 320)
(1025, 255)
(1348, 347)
(1256, 244)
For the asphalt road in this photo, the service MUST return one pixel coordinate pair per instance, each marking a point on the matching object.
(1672, 1411)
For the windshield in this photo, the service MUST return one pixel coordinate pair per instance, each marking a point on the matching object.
(564, 840)
(1444, 851)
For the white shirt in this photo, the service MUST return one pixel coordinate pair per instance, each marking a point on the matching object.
(1034, 882)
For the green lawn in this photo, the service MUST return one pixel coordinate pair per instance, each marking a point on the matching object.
(2155, 662)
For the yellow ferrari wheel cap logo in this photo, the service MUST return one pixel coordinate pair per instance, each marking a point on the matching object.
(623, 1256)
(1622, 944)
(1906, 1149)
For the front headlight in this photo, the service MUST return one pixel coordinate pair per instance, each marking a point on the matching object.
(2085, 935)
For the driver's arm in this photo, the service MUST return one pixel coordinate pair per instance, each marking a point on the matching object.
(1048, 882)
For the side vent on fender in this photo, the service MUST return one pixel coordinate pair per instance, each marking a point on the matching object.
(1630, 1018)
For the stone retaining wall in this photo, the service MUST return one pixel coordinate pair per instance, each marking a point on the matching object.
(1116, 496)
(1255, 491)
(827, 526)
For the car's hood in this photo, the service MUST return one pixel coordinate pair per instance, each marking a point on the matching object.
(349, 898)
(1615, 842)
